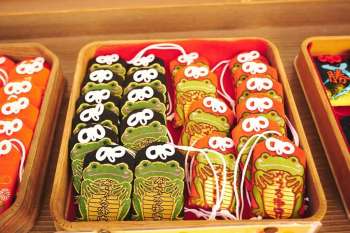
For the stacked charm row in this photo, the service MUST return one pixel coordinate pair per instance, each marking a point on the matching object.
(22, 86)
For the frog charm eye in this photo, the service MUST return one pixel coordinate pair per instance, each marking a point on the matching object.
(101, 76)
(30, 66)
(259, 84)
(97, 96)
(94, 133)
(160, 151)
(140, 94)
(5, 147)
(215, 104)
(256, 124)
(10, 127)
(196, 72)
(247, 57)
(280, 147)
(140, 117)
(260, 104)
(145, 75)
(107, 59)
(15, 107)
(110, 153)
(92, 113)
(254, 68)
(221, 143)
(16, 88)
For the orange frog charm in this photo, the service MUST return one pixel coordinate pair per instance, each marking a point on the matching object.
(192, 82)
(278, 179)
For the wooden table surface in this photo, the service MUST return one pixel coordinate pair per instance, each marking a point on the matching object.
(287, 37)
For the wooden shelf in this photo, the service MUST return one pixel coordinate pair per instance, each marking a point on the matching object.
(287, 28)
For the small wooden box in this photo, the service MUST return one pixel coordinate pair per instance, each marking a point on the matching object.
(61, 193)
(333, 141)
(20, 217)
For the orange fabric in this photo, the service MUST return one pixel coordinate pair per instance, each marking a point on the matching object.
(276, 86)
(242, 108)
(35, 96)
(29, 116)
(9, 164)
(6, 64)
(25, 135)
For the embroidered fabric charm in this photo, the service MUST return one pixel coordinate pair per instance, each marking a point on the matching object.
(110, 153)
(259, 84)
(97, 96)
(16, 88)
(94, 133)
(107, 59)
(145, 75)
(221, 143)
(15, 107)
(140, 94)
(280, 147)
(92, 113)
(101, 76)
(254, 68)
(255, 124)
(196, 72)
(260, 104)
(215, 104)
(10, 127)
(160, 151)
(142, 118)
(248, 56)
(30, 66)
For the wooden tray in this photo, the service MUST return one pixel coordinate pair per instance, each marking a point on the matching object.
(20, 217)
(62, 183)
(332, 139)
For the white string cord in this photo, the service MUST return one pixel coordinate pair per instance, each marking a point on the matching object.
(23, 155)
(170, 114)
(224, 94)
(293, 131)
(3, 76)
(236, 170)
(139, 58)
(189, 174)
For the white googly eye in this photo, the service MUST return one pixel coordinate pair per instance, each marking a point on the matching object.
(196, 72)
(260, 104)
(216, 105)
(254, 68)
(256, 124)
(280, 147)
(160, 151)
(110, 153)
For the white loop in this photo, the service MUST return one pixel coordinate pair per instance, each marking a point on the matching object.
(97, 96)
(279, 146)
(196, 72)
(260, 104)
(30, 66)
(259, 84)
(10, 127)
(2, 60)
(188, 58)
(93, 133)
(101, 76)
(107, 59)
(15, 107)
(255, 123)
(247, 57)
(16, 88)
(92, 113)
(110, 153)
(222, 143)
(215, 104)
(254, 68)
(145, 75)
(140, 117)
(5, 147)
(143, 61)
(160, 151)
(140, 94)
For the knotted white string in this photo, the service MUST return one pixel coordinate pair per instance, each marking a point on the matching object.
(22, 150)
(141, 59)
(224, 94)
